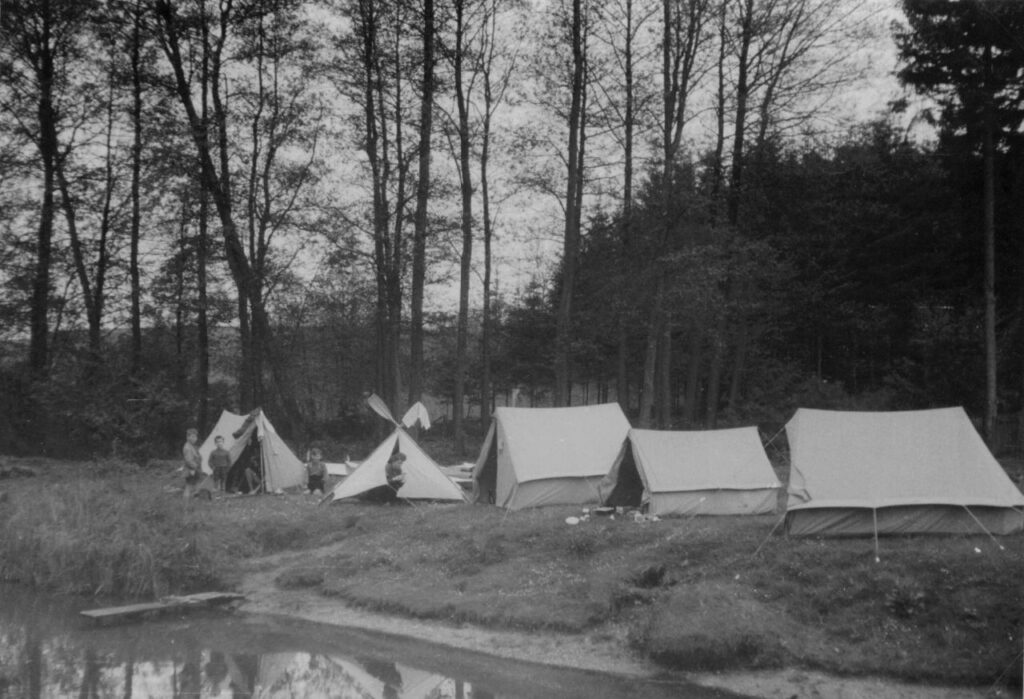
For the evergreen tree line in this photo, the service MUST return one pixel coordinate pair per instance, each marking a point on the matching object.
(246, 203)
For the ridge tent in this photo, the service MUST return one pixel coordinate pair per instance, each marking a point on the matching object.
(907, 472)
(700, 472)
(548, 456)
(424, 479)
(280, 467)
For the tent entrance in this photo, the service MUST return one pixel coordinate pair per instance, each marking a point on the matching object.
(236, 482)
(485, 476)
(628, 490)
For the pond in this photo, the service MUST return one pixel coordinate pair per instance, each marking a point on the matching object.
(48, 650)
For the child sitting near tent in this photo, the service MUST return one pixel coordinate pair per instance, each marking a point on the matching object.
(316, 471)
(220, 463)
(252, 475)
(393, 474)
(388, 493)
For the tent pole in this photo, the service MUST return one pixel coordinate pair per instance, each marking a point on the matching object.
(515, 489)
(772, 439)
(994, 540)
(874, 517)
(780, 521)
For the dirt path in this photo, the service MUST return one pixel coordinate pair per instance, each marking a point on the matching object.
(603, 650)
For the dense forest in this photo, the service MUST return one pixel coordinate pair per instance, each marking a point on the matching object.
(211, 204)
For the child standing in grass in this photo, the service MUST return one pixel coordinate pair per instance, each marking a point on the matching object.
(316, 471)
(193, 461)
(220, 462)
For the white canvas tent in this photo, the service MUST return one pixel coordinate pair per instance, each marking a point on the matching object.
(281, 468)
(424, 479)
(908, 472)
(548, 456)
(700, 472)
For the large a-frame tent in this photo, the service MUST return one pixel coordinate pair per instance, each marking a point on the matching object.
(907, 472)
(424, 479)
(699, 472)
(548, 456)
(281, 468)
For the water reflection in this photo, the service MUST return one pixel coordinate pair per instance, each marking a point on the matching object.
(47, 650)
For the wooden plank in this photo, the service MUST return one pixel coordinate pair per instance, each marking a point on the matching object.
(126, 611)
(167, 604)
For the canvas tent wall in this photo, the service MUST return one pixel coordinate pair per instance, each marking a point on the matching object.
(548, 456)
(705, 472)
(909, 472)
(423, 477)
(281, 468)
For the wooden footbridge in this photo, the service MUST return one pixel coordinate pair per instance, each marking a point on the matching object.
(175, 603)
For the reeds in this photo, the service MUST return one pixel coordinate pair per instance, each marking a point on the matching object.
(86, 537)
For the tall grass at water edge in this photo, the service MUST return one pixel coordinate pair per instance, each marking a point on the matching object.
(87, 537)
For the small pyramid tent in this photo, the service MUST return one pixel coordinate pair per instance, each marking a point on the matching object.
(907, 472)
(705, 472)
(549, 456)
(424, 479)
(281, 468)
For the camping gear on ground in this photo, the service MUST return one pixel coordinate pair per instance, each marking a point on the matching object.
(424, 479)
(279, 467)
(699, 472)
(548, 456)
(907, 472)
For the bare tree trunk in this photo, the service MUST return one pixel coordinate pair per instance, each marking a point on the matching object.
(622, 341)
(654, 322)
(715, 372)
(991, 358)
(202, 329)
(693, 376)
(135, 225)
(739, 364)
(467, 233)
(419, 254)
(664, 401)
(573, 192)
(742, 94)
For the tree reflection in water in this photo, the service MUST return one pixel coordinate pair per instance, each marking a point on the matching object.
(48, 650)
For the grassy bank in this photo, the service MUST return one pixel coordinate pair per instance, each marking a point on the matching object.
(698, 593)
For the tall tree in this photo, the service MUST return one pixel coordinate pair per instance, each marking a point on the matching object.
(419, 254)
(683, 38)
(496, 81)
(40, 44)
(970, 56)
(216, 172)
(577, 30)
(462, 103)
(371, 73)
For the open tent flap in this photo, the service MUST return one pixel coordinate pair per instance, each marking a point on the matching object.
(624, 485)
(485, 471)
(281, 468)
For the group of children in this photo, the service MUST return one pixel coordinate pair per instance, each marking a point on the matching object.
(220, 464)
(196, 482)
